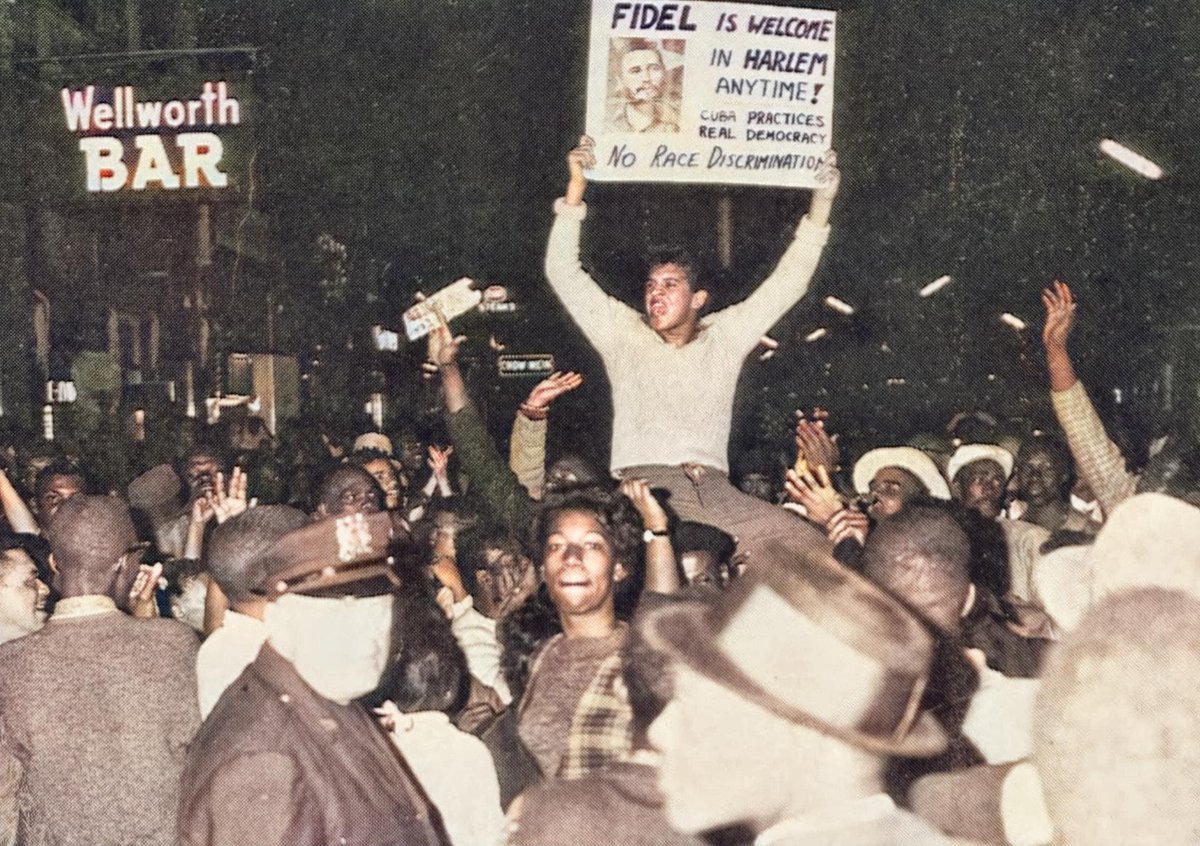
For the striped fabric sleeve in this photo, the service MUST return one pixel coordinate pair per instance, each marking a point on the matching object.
(1098, 460)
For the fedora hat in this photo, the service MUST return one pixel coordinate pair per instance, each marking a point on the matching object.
(968, 453)
(335, 556)
(805, 640)
(906, 458)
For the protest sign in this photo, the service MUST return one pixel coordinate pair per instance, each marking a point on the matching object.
(710, 92)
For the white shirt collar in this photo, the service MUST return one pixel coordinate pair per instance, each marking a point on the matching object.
(825, 819)
(89, 605)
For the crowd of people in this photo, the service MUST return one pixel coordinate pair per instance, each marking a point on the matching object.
(978, 637)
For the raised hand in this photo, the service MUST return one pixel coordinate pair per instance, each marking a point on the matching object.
(848, 523)
(828, 177)
(443, 345)
(815, 492)
(654, 516)
(439, 463)
(814, 443)
(551, 388)
(1060, 315)
(141, 594)
(578, 160)
(229, 502)
(582, 157)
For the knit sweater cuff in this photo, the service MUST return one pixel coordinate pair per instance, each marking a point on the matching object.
(810, 233)
(562, 207)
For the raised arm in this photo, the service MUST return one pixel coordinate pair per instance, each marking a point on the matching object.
(1097, 459)
(20, 518)
(662, 573)
(749, 319)
(598, 315)
(476, 450)
(527, 444)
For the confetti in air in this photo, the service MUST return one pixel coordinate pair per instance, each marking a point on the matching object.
(934, 286)
(839, 305)
(1134, 161)
(1013, 321)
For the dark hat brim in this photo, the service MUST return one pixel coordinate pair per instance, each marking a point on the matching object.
(685, 633)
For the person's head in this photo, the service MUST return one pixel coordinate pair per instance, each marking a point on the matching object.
(894, 476)
(155, 495)
(572, 470)
(22, 594)
(673, 296)
(590, 542)
(348, 489)
(1044, 471)
(789, 693)
(233, 553)
(54, 484)
(643, 74)
(757, 474)
(426, 670)
(521, 634)
(329, 589)
(978, 476)
(199, 468)
(503, 572)
(1174, 470)
(383, 470)
(410, 452)
(704, 552)
(1115, 738)
(921, 556)
(94, 547)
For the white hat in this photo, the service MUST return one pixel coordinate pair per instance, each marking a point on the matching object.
(968, 453)
(906, 458)
(372, 440)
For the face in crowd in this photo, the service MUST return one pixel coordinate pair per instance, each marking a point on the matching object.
(22, 595)
(1040, 477)
(57, 490)
(578, 566)
(721, 755)
(980, 486)
(385, 474)
(669, 299)
(643, 75)
(200, 473)
(891, 488)
(349, 489)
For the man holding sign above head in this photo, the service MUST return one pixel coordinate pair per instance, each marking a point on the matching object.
(674, 372)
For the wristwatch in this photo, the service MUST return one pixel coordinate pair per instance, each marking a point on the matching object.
(650, 535)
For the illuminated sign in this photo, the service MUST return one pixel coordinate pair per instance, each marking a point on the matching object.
(137, 144)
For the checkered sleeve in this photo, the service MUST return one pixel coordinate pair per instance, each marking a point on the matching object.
(1098, 460)
(601, 730)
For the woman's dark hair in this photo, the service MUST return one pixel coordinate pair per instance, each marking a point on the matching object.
(622, 527)
(427, 670)
(521, 635)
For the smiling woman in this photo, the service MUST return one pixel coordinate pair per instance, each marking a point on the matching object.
(574, 715)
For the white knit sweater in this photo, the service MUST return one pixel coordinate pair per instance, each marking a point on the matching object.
(673, 405)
